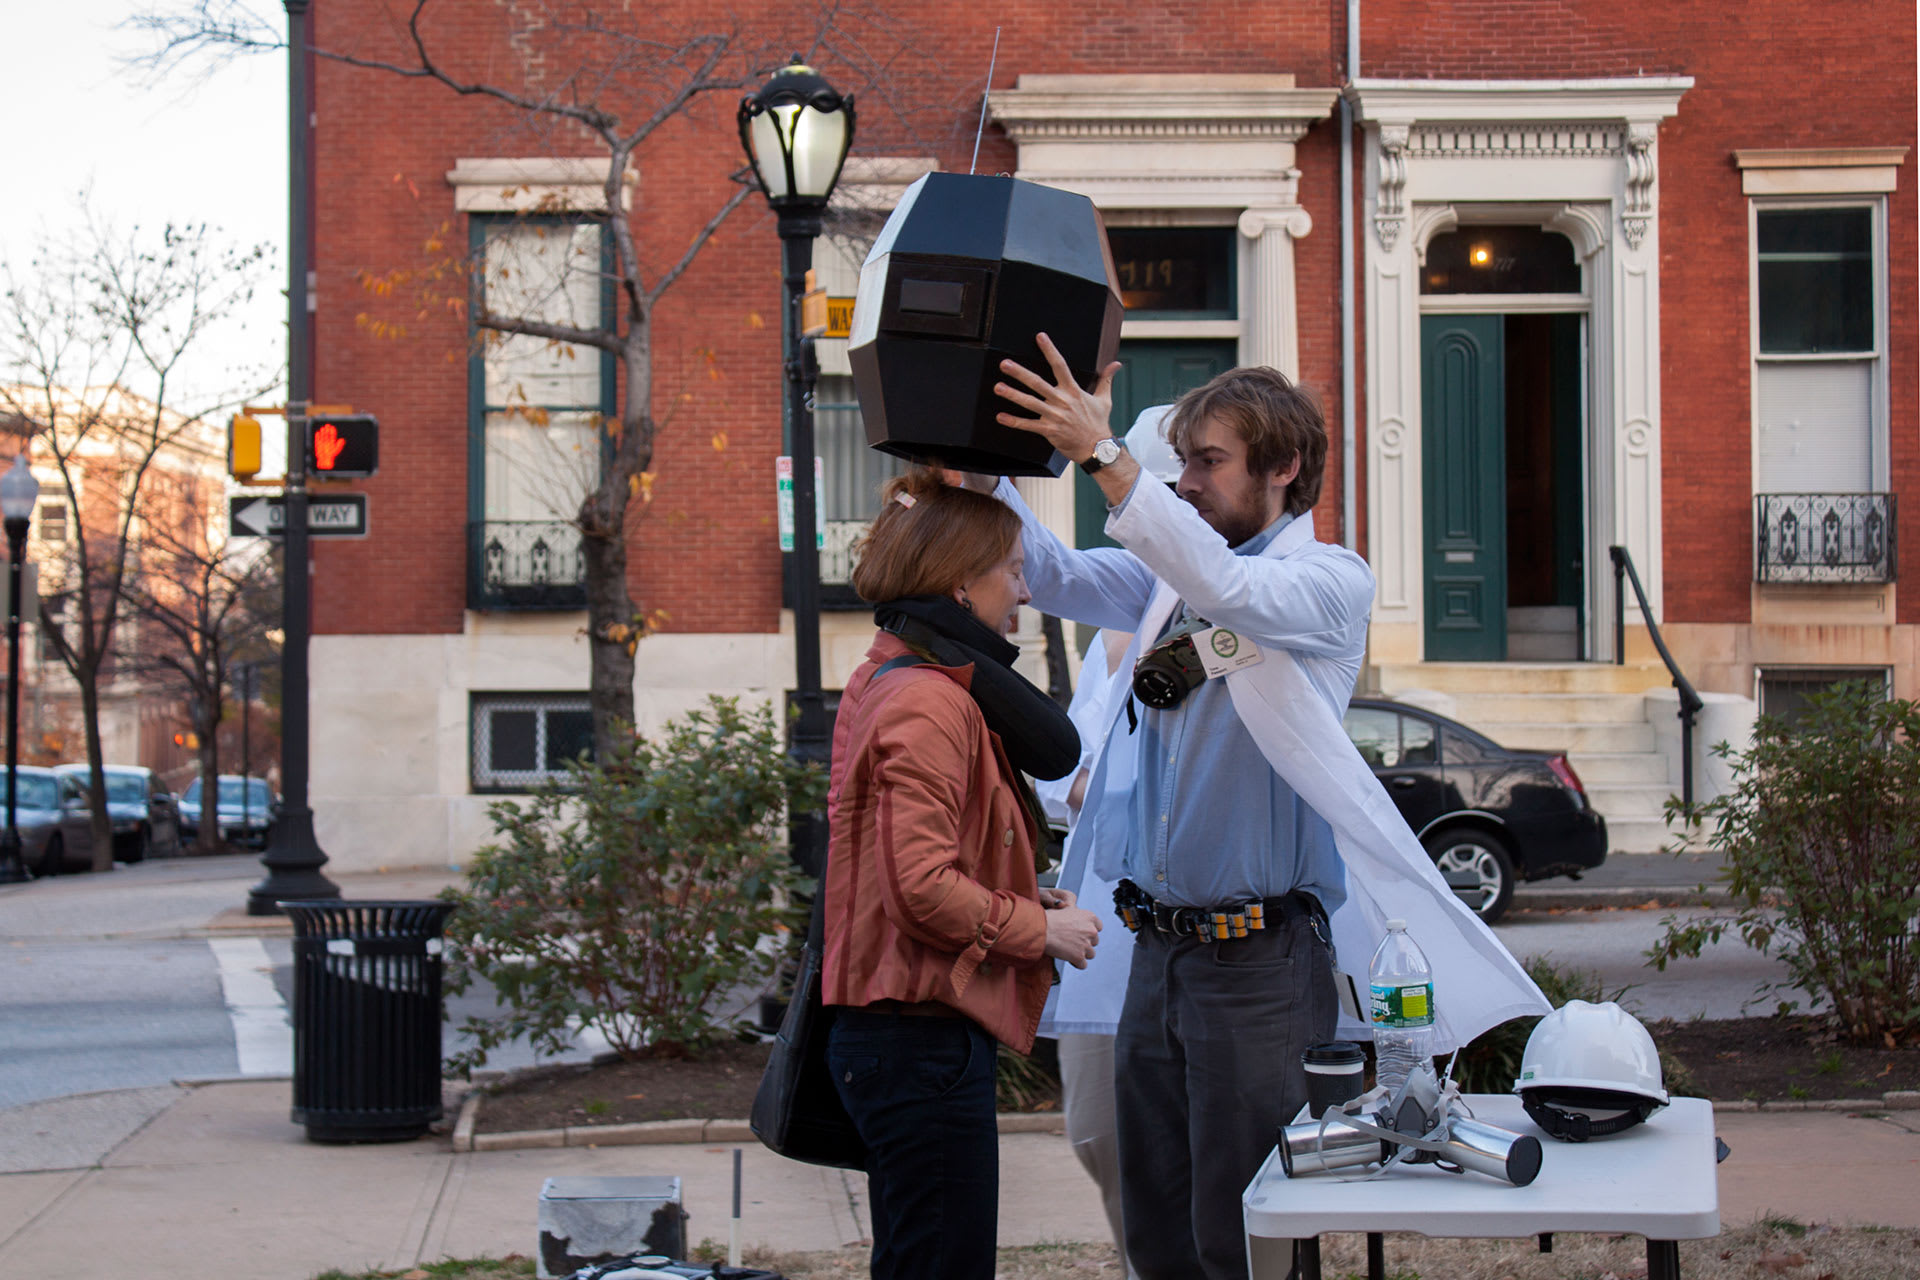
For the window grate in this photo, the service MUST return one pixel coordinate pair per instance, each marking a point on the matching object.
(1825, 537)
(522, 740)
(1784, 690)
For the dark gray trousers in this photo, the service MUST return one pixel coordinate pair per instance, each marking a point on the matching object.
(1206, 1068)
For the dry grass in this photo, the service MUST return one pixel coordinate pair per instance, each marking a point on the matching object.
(1776, 1249)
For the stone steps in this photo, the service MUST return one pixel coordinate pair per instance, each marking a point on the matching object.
(1594, 712)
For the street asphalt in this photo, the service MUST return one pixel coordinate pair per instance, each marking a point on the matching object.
(210, 1179)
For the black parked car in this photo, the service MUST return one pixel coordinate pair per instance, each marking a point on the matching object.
(1490, 815)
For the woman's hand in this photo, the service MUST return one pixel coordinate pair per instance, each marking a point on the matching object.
(1052, 898)
(1072, 934)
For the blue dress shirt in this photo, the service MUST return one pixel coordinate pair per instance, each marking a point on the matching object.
(1217, 824)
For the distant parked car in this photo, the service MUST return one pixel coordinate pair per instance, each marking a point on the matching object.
(50, 812)
(1489, 815)
(245, 811)
(146, 819)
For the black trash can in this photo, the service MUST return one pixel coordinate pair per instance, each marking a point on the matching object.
(366, 1018)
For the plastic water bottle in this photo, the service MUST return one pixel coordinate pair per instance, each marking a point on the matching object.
(1402, 983)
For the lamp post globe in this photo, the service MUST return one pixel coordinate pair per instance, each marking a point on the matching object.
(18, 493)
(796, 131)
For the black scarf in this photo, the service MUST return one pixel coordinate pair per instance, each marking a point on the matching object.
(1039, 738)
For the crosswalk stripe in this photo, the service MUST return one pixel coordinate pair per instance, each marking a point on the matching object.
(262, 1035)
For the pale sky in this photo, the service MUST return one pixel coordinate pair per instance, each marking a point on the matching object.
(197, 147)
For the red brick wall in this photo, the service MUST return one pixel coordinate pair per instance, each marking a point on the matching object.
(703, 551)
(1774, 73)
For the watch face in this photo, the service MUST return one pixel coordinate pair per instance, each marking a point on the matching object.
(1107, 451)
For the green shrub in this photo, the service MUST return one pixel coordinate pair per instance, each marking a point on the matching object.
(632, 896)
(1492, 1062)
(1820, 840)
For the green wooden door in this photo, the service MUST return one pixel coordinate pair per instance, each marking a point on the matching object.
(1463, 446)
(1151, 372)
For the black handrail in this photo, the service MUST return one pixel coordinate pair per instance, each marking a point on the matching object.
(1690, 702)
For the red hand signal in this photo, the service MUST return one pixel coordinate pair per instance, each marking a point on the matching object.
(327, 445)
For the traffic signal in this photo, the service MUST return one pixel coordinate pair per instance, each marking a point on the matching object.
(243, 447)
(343, 445)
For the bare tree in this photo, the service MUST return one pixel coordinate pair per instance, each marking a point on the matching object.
(621, 74)
(94, 335)
(204, 609)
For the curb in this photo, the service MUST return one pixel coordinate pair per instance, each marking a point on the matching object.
(1651, 897)
(662, 1132)
(1898, 1100)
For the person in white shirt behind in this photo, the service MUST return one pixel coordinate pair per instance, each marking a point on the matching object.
(1084, 1011)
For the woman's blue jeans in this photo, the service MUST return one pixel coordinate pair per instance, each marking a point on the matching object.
(920, 1091)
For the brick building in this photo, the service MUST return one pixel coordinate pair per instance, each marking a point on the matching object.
(1620, 275)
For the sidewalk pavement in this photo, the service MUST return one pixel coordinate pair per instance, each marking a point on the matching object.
(215, 1182)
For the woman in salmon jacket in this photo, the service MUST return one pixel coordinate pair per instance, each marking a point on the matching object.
(938, 939)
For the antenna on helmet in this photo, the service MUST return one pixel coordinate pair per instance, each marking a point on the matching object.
(982, 126)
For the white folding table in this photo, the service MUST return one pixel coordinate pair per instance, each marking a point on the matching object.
(1656, 1180)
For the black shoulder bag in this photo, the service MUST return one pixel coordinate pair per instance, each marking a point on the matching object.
(797, 1111)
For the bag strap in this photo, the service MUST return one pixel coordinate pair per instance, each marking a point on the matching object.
(817, 927)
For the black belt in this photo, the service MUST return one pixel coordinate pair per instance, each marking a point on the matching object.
(1139, 910)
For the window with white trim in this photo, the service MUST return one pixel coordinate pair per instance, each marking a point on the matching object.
(1819, 377)
(522, 740)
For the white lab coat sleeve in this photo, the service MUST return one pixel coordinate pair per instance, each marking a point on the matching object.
(1101, 586)
(1315, 604)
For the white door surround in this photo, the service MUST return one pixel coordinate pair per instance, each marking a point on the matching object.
(1183, 149)
(1579, 157)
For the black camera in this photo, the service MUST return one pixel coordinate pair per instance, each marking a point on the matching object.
(1170, 670)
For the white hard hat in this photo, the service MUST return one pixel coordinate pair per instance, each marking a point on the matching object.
(1590, 1070)
(1147, 442)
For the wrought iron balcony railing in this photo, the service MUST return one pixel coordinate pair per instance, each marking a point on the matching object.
(1825, 537)
(525, 564)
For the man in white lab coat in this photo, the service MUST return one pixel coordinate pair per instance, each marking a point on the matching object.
(1249, 818)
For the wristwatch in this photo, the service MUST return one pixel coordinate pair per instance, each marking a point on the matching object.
(1105, 454)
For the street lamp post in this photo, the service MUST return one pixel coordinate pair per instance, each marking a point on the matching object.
(18, 492)
(796, 131)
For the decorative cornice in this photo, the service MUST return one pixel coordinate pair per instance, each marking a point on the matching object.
(1637, 214)
(1564, 101)
(1025, 129)
(1515, 140)
(1390, 207)
(1156, 108)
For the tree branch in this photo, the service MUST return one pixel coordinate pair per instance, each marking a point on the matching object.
(699, 241)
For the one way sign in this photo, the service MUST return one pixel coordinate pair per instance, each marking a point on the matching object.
(333, 515)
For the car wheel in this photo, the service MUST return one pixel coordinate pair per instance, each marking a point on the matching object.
(53, 857)
(142, 847)
(1482, 856)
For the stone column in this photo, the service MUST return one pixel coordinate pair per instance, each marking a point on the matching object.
(1052, 500)
(1272, 335)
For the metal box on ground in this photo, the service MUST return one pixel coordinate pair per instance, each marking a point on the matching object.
(584, 1221)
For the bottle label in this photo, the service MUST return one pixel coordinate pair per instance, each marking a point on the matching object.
(1397, 1006)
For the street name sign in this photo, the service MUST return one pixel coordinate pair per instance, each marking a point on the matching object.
(329, 515)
